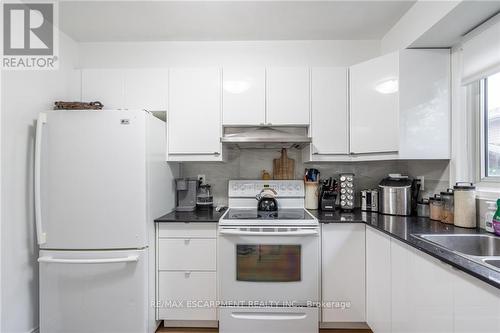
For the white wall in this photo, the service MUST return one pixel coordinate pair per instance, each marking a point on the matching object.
(262, 53)
(24, 95)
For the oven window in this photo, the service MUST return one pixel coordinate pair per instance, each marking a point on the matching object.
(268, 263)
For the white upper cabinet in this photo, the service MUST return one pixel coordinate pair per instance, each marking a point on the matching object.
(105, 86)
(329, 111)
(374, 105)
(424, 104)
(146, 89)
(142, 89)
(287, 92)
(194, 114)
(244, 96)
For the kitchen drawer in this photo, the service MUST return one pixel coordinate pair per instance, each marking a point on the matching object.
(187, 254)
(276, 320)
(191, 291)
(187, 230)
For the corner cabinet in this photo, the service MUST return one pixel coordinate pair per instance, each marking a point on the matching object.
(400, 105)
(194, 125)
(408, 290)
(343, 273)
(378, 281)
(374, 105)
(399, 108)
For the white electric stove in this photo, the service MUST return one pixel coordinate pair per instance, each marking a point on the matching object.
(268, 261)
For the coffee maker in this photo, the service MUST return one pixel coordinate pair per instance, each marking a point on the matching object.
(186, 194)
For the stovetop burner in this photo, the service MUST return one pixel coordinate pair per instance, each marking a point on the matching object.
(254, 214)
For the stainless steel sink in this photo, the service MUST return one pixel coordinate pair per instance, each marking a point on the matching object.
(472, 245)
(482, 249)
(492, 262)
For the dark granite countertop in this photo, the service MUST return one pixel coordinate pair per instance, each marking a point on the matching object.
(399, 227)
(402, 228)
(198, 215)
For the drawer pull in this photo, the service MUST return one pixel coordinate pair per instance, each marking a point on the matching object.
(187, 241)
(187, 275)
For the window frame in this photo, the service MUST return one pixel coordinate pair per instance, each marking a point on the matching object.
(483, 135)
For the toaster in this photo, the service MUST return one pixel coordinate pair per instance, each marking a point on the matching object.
(369, 200)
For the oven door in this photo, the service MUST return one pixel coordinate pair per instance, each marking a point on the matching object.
(277, 266)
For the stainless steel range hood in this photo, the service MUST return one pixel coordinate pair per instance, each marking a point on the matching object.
(266, 137)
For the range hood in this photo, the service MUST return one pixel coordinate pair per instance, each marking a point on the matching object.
(266, 137)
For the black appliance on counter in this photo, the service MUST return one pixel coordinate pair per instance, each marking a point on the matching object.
(328, 194)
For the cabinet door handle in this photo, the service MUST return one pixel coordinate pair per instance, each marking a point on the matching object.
(187, 274)
(195, 153)
(187, 241)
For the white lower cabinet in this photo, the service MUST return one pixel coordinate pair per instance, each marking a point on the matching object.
(186, 274)
(378, 281)
(476, 305)
(408, 290)
(422, 291)
(343, 272)
(192, 293)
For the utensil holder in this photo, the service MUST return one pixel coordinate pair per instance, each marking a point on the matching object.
(311, 195)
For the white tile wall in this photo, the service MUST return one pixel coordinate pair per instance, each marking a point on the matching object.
(249, 163)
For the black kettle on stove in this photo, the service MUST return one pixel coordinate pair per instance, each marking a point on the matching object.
(267, 201)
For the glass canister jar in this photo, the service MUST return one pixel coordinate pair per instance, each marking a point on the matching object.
(436, 208)
(448, 200)
(465, 205)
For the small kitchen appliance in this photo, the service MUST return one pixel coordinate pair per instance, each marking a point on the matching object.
(187, 189)
(347, 191)
(397, 195)
(328, 194)
(369, 200)
(204, 197)
(268, 260)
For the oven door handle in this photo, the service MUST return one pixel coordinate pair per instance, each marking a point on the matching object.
(268, 316)
(308, 232)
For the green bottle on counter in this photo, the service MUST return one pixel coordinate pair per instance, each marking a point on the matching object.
(496, 219)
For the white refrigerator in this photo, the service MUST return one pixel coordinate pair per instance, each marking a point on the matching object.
(100, 180)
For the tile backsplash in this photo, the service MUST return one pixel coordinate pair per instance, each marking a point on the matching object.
(249, 163)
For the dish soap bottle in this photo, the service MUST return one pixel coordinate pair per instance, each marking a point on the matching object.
(496, 219)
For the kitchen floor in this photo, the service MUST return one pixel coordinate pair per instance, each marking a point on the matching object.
(214, 330)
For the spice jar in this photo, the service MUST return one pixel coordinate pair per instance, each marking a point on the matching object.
(448, 206)
(436, 208)
(465, 205)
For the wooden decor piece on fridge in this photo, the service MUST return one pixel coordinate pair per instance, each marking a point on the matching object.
(283, 167)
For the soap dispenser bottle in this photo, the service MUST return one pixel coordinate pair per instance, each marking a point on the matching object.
(496, 219)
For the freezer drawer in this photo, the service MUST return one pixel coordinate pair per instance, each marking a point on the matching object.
(94, 292)
(275, 320)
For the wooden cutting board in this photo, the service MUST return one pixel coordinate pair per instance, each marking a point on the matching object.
(283, 167)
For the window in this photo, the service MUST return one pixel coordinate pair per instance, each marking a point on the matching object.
(490, 106)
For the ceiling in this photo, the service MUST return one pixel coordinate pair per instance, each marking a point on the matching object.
(462, 19)
(104, 21)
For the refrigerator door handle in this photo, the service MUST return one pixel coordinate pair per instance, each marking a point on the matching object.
(41, 236)
(88, 261)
